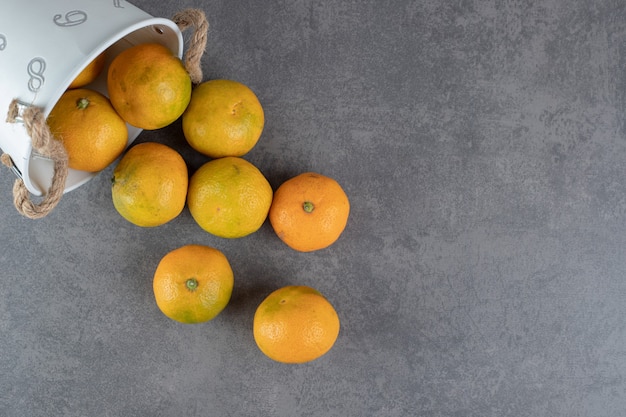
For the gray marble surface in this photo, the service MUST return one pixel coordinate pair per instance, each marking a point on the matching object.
(482, 273)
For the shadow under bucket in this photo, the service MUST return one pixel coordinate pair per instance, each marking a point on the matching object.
(44, 45)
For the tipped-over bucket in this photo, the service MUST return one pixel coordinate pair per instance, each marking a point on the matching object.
(44, 45)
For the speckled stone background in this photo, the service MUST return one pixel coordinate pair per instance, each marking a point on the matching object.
(482, 271)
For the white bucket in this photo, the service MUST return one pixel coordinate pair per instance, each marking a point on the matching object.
(44, 45)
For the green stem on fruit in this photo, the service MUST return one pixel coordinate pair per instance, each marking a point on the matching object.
(308, 207)
(191, 284)
(82, 103)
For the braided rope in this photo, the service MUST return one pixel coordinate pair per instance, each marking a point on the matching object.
(43, 143)
(194, 18)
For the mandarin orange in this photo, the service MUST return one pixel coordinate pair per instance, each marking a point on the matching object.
(148, 86)
(193, 284)
(295, 324)
(93, 134)
(309, 211)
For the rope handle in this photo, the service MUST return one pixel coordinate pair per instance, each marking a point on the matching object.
(197, 44)
(43, 141)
